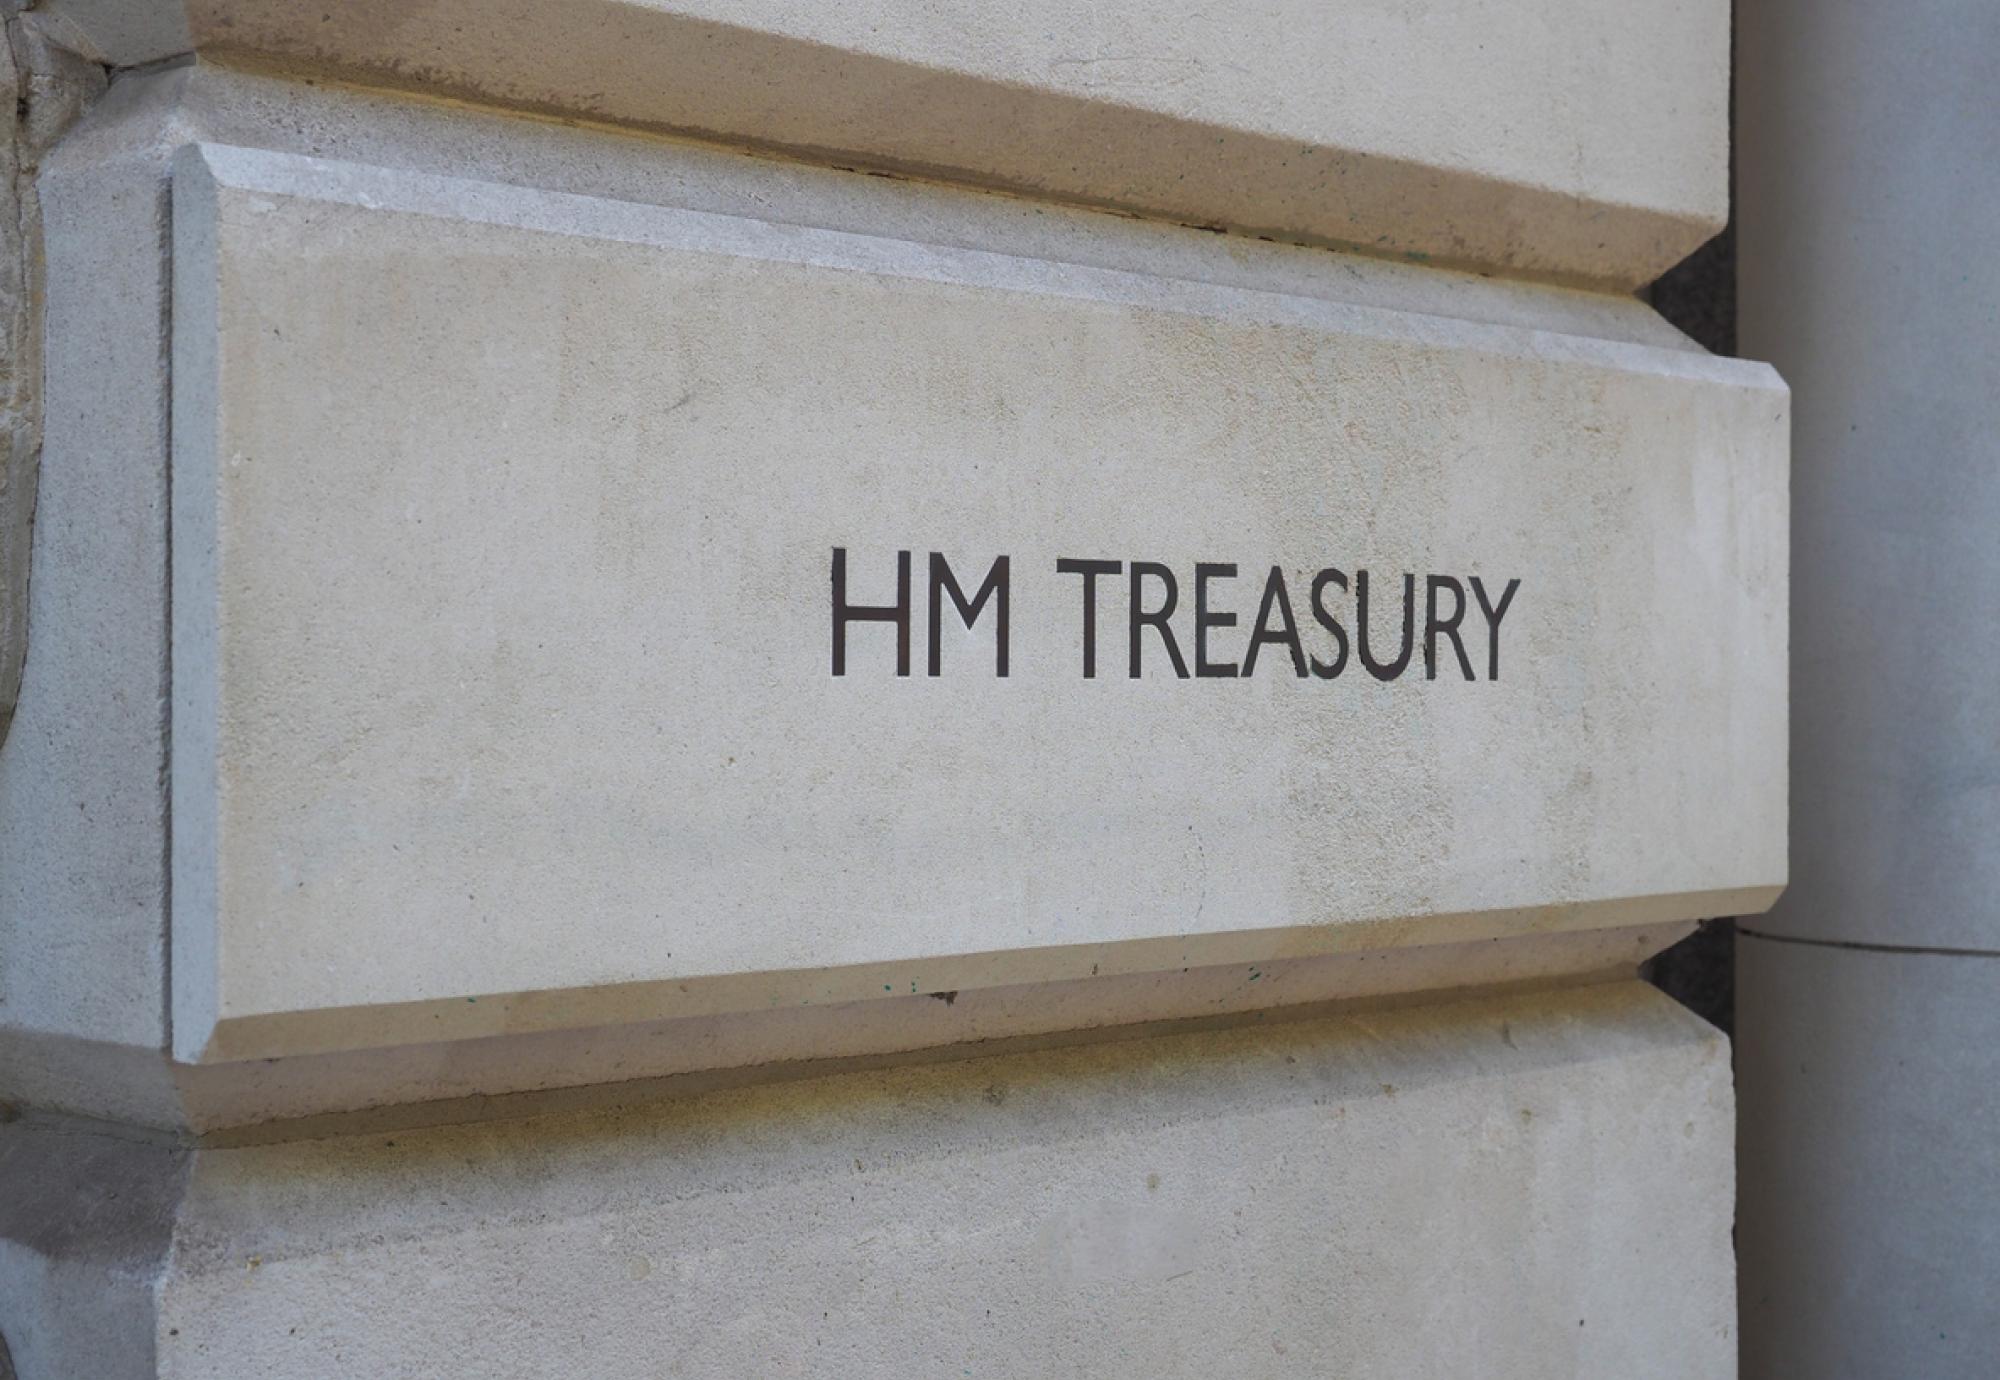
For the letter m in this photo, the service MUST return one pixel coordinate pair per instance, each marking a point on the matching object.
(944, 583)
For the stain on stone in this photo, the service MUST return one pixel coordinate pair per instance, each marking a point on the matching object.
(1700, 973)
(93, 1199)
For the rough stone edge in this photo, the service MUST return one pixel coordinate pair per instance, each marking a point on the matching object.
(144, 1095)
(50, 88)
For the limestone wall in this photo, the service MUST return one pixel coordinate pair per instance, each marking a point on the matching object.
(777, 690)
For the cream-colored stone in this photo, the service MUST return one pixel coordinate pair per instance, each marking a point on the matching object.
(229, 106)
(449, 1080)
(81, 821)
(502, 523)
(1574, 139)
(1521, 1188)
(494, 446)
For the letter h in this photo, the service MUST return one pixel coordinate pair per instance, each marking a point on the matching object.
(845, 613)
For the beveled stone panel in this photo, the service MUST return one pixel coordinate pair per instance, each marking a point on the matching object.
(1560, 138)
(509, 534)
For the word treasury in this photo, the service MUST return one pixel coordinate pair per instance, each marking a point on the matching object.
(1187, 623)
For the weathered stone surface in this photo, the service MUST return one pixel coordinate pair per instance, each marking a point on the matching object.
(504, 753)
(1517, 1188)
(501, 622)
(86, 1220)
(42, 90)
(421, 1084)
(82, 798)
(82, 794)
(19, 374)
(1573, 139)
(82, 820)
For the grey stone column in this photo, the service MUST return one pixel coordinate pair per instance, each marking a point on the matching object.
(1869, 1001)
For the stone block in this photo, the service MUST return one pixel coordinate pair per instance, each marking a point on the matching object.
(509, 527)
(1525, 1187)
(1568, 139)
(397, 1085)
(82, 769)
(1863, 282)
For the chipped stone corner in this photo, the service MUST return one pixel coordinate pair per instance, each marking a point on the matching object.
(43, 89)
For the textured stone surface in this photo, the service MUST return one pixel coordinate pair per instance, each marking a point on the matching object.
(82, 817)
(495, 439)
(82, 800)
(86, 1219)
(82, 825)
(439, 1080)
(42, 90)
(1571, 138)
(502, 523)
(1495, 1188)
(20, 434)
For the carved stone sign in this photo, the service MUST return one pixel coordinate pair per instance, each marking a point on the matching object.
(587, 610)
(1153, 597)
